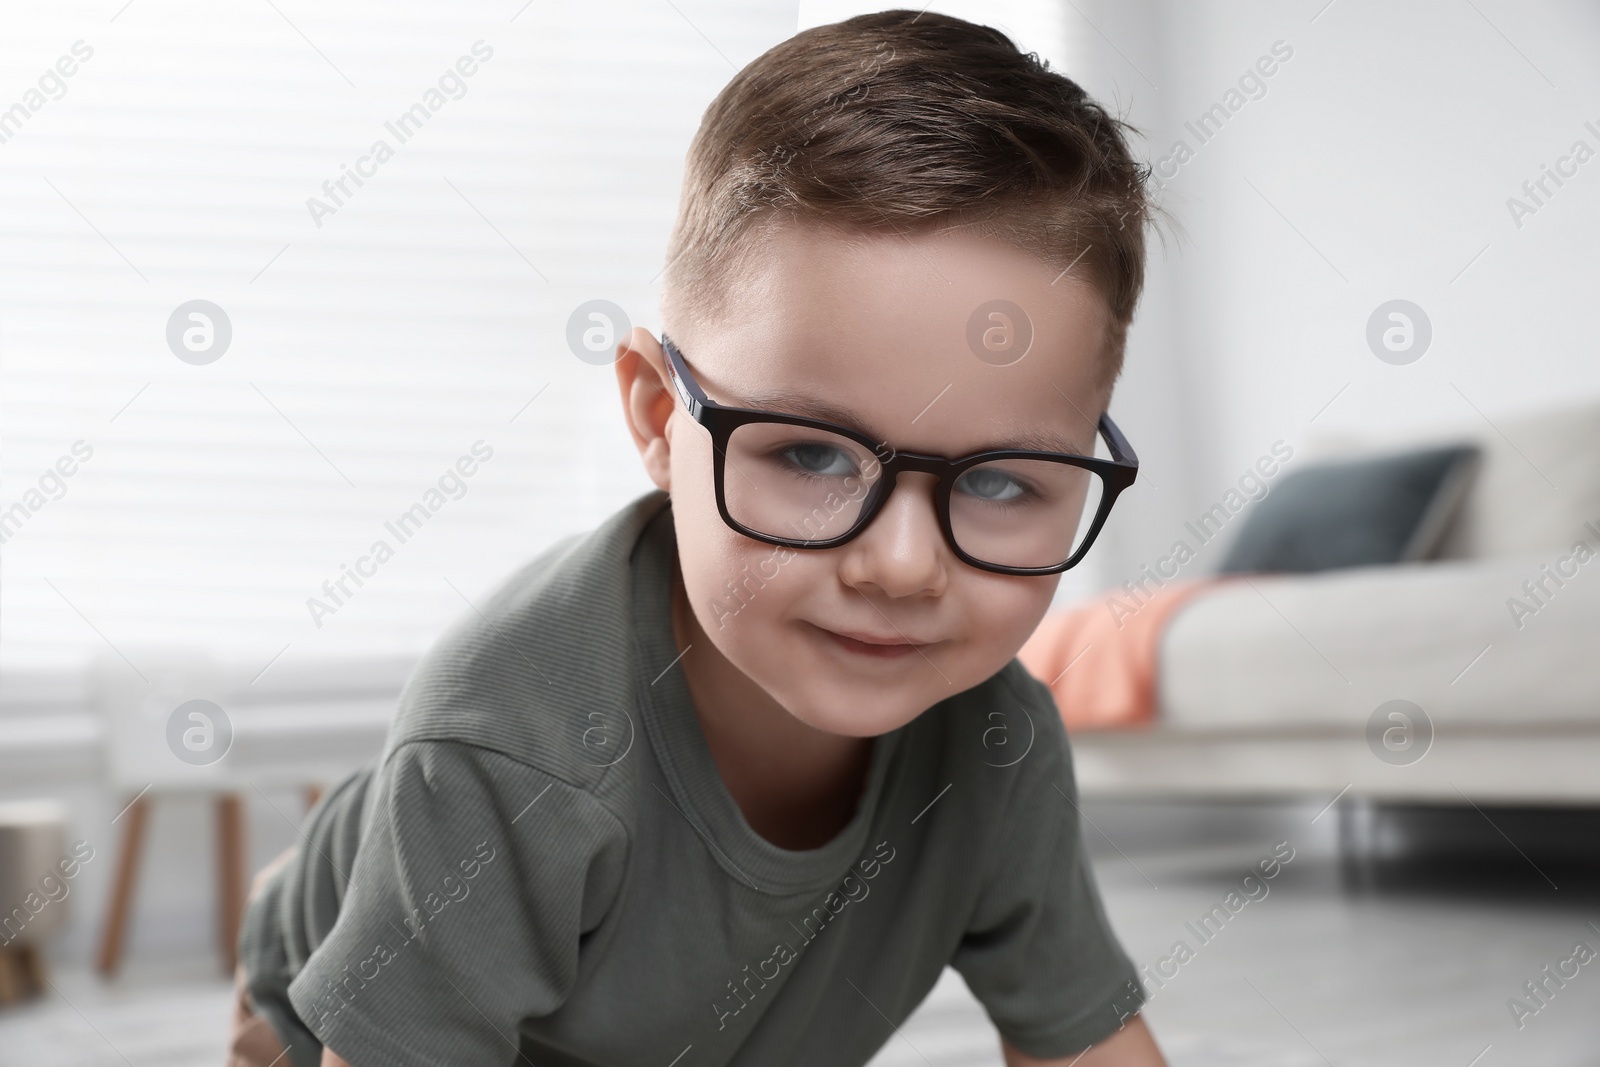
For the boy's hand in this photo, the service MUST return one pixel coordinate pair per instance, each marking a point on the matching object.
(331, 1058)
(1131, 1046)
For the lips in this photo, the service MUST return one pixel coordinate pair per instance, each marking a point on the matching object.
(879, 646)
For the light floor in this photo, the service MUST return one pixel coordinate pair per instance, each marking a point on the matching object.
(1412, 972)
(1412, 968)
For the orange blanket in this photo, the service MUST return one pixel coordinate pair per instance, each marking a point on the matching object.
(1099, 659)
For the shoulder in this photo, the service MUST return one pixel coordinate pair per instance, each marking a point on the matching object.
(439, 805)
(439, 788)
(541, 671)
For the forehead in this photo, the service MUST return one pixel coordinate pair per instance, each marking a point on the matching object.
(912, 339)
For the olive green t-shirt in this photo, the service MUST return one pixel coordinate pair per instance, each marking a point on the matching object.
(545, 861)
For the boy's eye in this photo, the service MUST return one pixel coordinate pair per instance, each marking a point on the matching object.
(988, 483)
(822, 459)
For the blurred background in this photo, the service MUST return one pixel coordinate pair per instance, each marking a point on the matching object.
(228, 369)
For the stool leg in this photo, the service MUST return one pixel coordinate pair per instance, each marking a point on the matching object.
(33, 969)
(8, 985)
(232, 876)
(121, 902)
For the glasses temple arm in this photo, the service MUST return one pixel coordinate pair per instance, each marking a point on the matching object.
(687, 388)
(1121, 451)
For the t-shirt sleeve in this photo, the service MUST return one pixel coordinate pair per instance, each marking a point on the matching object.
(293, 909)
(1039, 951)
(475, 877)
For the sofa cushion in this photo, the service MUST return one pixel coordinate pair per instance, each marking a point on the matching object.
(1490, 642)
(1539, 484)
(1390, 508)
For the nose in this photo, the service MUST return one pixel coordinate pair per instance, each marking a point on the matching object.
(902, 552)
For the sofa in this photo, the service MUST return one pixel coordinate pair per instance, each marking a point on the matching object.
(1468, 678)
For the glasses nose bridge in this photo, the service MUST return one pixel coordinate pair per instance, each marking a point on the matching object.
(916, 462)
(899, 463)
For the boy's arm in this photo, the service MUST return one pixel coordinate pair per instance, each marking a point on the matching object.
(1039, 951)
(1130, 1046)
(460, 919)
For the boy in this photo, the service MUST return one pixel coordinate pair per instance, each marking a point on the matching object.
(731, 779)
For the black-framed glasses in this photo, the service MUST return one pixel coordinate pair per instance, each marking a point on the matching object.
(804, 483)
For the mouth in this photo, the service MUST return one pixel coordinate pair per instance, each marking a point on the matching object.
(876, 646)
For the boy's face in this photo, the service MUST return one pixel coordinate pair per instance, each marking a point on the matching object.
(872, 332)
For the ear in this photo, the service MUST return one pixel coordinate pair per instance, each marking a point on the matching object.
(648, 402)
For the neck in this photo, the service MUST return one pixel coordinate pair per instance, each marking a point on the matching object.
(796, 786)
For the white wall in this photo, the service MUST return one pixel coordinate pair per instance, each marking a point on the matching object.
(1390, 140)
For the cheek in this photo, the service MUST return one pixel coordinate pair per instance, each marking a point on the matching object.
(694, 498)
(742, 591)
(1001, 613)
(731, 580)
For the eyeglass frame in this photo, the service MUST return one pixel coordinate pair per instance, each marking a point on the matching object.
(721, 420)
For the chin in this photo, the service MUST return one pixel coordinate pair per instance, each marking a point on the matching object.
(855, 710)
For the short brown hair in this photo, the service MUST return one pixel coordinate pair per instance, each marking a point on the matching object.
(900, 122)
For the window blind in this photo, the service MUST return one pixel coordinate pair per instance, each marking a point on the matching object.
(398, 371)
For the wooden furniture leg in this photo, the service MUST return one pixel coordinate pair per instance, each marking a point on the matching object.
(21, 972)
(9, 986)
(232, 876)
(33, 968)
(111, 938)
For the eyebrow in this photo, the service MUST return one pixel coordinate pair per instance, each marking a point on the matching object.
(811, 408)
